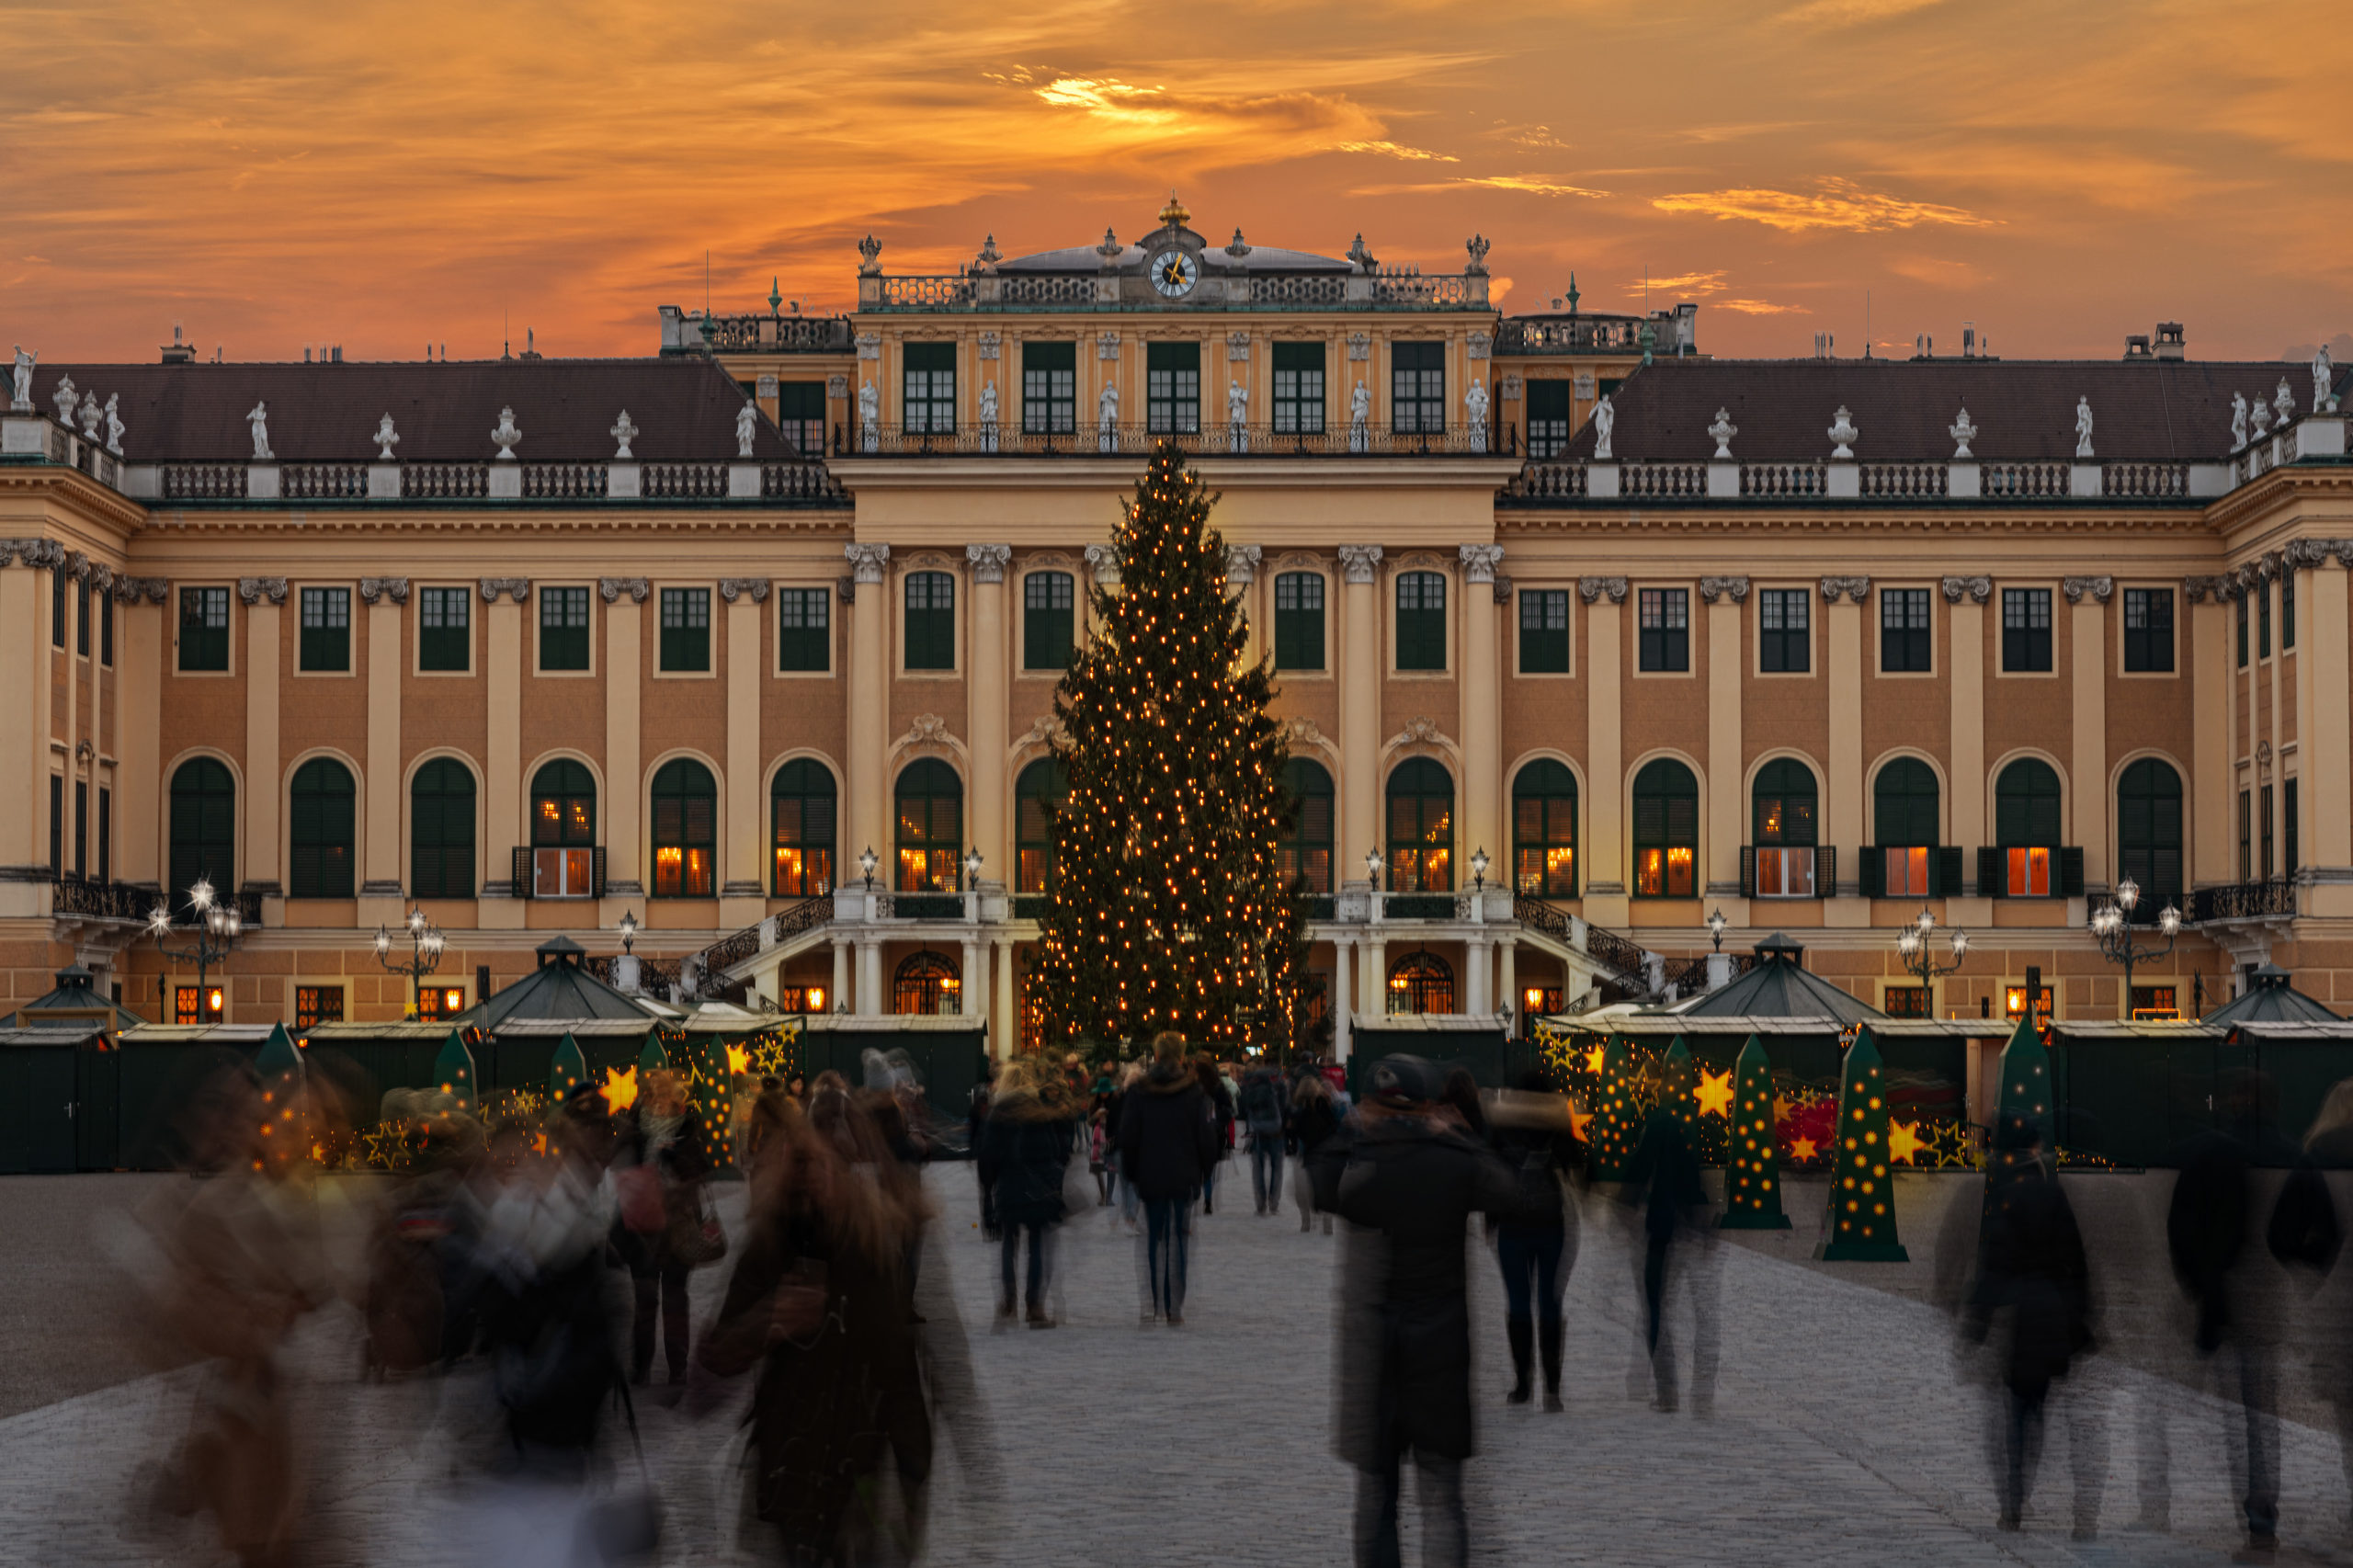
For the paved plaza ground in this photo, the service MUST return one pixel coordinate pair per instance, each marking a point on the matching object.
(1841, 1432)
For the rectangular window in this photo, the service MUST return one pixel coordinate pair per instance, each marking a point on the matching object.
(1784, 631)
(1548, 418)
(204, 629)
(2263, 620)
(563, 873)
(445, 628)
(928, 403)
(1905, 1001)
(2246, 837)
(1417, 388)
(2289, 844)
(685, 628)
(56, 824)
(1299, 389)
(1049, 389)
(2263, 811)
(1905, 871)
(2029, 873)
(81, 828)
(931, 621)
(805, 629)
(1544, 631)
(1665, 628)
(57, 608)
(316, 1004)
(2025, 631)
(1421, 621)
(1784, 872)
(2242, 625)
(195, 1005)
(82, 618)
(1046, 614)
(1299, 621)
(1172, 387)
(2286, 613)
(563, 628)
(2148, 630)
(1904, 618)
(106, 834)
(106, 629)
(801, 414)
(2156, 1002)
(438, 1002)
(326, 629)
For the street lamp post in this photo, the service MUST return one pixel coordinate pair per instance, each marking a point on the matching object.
(1716, 924)
(1912, 946)
(1372, 868)
(866, 861)
(424, 955)
(1479, 864)
(2112, 924)
(216, 928)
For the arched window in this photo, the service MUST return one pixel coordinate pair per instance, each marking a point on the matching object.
(800, 821)
(927, 984)
(1544, 830)
(2148, 835)
(1904, 817)
(1421, 828)
(1420, 983)
(1783, 799)
(204, 830)
(441, 830)
(319, 831)
(564, 831)
(1303, 855)
(1666, 831)
(2025, 826)
(686, 830)
(931, 824)
(1043, 781)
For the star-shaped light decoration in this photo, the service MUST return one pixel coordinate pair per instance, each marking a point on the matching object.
(1593, 1059)
(1782, 1107)
(620, 1087)
(1904, 1141)
(739, 1059)
(1578, 1121)
(1803, 1149)
(1714, 1093)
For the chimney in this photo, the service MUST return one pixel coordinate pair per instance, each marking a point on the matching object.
(1968, 340)
(181, 351)
(306, 352)
(338, 353)
(2136, 347)
(2169, 341)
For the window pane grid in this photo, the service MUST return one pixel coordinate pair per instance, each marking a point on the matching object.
(1665, 635)
(931, 621)
(444, 622)
(327, 629)
(1421, 621)
(805, 629)
(1544, 631)
(1299, 621)
(204, 629)
(2026, 630)
(1784, 631)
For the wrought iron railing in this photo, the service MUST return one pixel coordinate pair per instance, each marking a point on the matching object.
(1205, 438)
(2271, 900)
(653, 974)
(1418, 906)
(1538, 915)
(923, 907)
(805, 915)
(1319, 906)
(728, 951)
(1031, 905)
(106, 901)
(1617, 954)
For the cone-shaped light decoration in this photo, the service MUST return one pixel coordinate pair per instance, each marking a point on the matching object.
(568, 1071)
(453, 1071)
(1860, 1225)
(1753, 1166)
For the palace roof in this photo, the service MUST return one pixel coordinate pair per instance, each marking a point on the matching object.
(683, 409)
(2024, 410)
(1259, 258)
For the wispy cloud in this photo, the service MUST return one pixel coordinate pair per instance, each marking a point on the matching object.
(1681, 283)
(1399, 150)
(1531, 184)
(1835, 204)
(1761, 308)
(1849, 13)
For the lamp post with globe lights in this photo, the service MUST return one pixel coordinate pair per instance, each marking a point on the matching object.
(866, 861)
(2112, 924)
(1912, 946)
(424, 955)
(1372, 868)
(216, 927)
(1716, 924)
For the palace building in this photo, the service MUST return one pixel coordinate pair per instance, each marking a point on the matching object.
(1597, 652)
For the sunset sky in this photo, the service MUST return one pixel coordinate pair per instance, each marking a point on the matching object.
(381, 175)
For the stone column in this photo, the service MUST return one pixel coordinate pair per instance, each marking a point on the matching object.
(1727, 805)
(870, 978)
(24, 722)
(2214, 847)
(1605, 901)
(1507, 977)
(1483, 764)
(379, 864)
(742, 894)
(989, 721)
(1342, 1010)
(263, 596)
(139, 655)
(973, 1000)
(2324, 767)
(869, 697)
(840, 992)
(1475, 960)
(624, 693)
(2089, 666)
(504, 598)
(1002, 1027)
(1361, 683)
(1376, 979)
(1965, 664)
(1842, 823)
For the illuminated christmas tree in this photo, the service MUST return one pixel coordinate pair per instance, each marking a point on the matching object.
(1169, 908)
(1752, 1167)
(567, 1070)
(2025, 1097)
(1860, 1226)
(1678, 1086)
(1620, 1104)
(453, 1071)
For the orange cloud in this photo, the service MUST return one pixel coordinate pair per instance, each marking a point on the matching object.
(1835, 204)
(1761, 308)
(1396, 150)
(1681, 283)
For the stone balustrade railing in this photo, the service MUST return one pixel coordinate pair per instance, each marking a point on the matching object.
(1403, 289)
(568, 483)
(1543, 480)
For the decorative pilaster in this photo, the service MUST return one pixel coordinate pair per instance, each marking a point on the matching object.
(1361, 682)
(742, 864)
(1482, 814)
(987, 719)
(870, 688)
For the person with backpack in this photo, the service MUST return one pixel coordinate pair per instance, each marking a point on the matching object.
(1167, 1149)
(1262, 1110)
(1024, 1155)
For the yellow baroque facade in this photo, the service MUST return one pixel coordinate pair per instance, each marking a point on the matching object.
(1585, 639)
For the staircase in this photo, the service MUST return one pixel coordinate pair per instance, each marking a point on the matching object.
(725, 969)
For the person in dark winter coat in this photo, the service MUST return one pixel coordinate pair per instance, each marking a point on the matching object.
(1264, 1095)
(1167, 1148)
(1407, 1180)
(1312, 1118)
(661, 1137)
(1663, 1188)
(2033, 1276)
(1531, 1134)
(1025, 1152)
(1221, 1112)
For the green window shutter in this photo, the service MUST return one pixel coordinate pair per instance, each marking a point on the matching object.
(1993, 872)
(1748, 870)
(1872, 879)
(1825, 872)
(1944, 872)
(2070, 871)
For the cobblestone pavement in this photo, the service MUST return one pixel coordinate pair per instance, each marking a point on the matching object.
(1840, 1433)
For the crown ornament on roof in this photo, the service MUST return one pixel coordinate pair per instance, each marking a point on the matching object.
(1174, 215)
(1721, 432)
(990, 255)
(869, 252)
(624, 432)
(1237, 250)
(386, 438)
(1843, 432)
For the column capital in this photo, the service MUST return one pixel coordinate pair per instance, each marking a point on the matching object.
(1711, 587)
(734, 588)
(2076, 588)
(988, 560)
(2195, 590)
(1479, 561)
(1103, 559)
(31, 553)
(1979, 589)
(1592, 588)
(1358, 561)
(518, 588)
(1242, 564)
(866, 561)
(253, 589)
(612, 588)
(130, 590)
(392, 588)
(2315, 553)
(1858, 589)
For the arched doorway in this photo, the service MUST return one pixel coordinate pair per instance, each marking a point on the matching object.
(927, 984)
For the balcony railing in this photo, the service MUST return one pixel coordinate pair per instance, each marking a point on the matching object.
(108, 901)
(1906, 481)
(495, 483)
(323, 482)
(1784, 480)
(1576, 335)
(1208, 440)
(2024, 482)
(204, 482)
(922, 906)
(2272, 900)
(1419, 906)
(772, 334)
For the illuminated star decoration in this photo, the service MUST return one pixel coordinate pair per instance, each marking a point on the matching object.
(739, 1059)
(1578, 1121)
(1904, 1141)
(1595, 1057)
(1714, 1093)
(1803, 1149)
(620, 1087)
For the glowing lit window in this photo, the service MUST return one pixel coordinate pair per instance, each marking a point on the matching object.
(686, 810)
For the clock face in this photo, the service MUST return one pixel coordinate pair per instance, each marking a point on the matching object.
(1173, 273)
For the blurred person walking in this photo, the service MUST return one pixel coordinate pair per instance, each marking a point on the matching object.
(1531, 1133)
(1167, 1149)
(1677, 1252)
(1407, 1180)
(1314, 1118)
(664, 1229)
(1025, 1155)
(1265, 1100)
(1217, 1096)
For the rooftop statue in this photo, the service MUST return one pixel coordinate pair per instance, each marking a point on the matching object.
(1474, 406)
(624, 432)
(1962, 432)
(869, 417)
(2238, 420)
(21, 400)
(1605, 420)
(1107, 419)
(259, 418)
(1843, 432)
(65, 397)
(2261, 414)
(1721, 432)
(2083, 427)
(2283, 404)
(115, 426)
(2323, 379)
(747, 421)
(90, 417)
(1360, 418)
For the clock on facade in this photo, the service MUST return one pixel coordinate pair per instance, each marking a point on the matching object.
(1173, 273)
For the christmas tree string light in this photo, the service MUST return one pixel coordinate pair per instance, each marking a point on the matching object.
(1753, 1166)
(1860, 1224)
